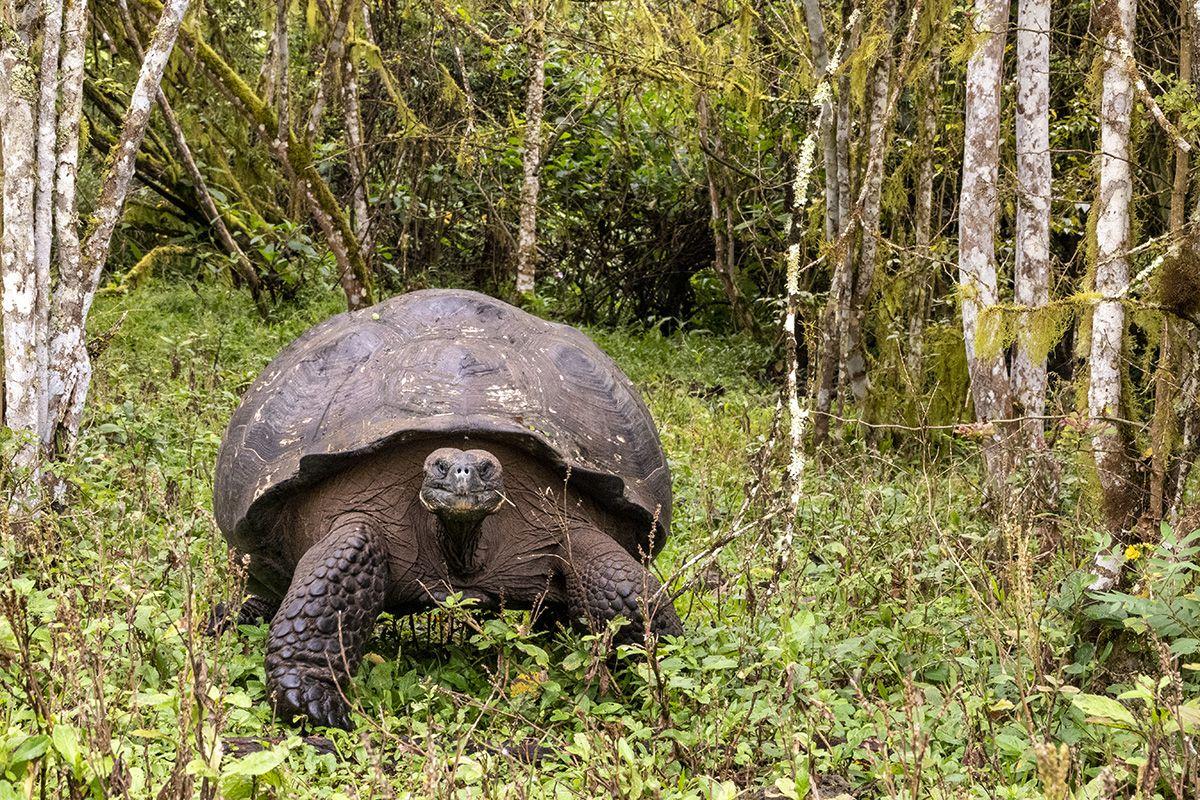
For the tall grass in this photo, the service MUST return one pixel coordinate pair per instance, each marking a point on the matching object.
(913, 648)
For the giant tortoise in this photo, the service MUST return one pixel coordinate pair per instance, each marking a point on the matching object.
(440, 442)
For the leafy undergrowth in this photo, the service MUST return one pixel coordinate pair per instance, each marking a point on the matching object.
(908, 647)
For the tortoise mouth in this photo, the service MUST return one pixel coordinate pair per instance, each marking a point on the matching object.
(460, 506)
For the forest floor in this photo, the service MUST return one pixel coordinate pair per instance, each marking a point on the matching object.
(911, 647)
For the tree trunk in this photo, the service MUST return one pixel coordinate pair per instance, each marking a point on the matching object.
(798, 416)
(110, 203)
(52, 11)
(1189, 425)
(1165, 428)
(860, 296)
(919, 289)
(1111, 439)
(330, 80)
(829, 359)
(353, 274)
(828, 132)
(18, 246)
(356, 158)
(65, 336)
(282, 64)
(1031, 281)
(724, 260)
(978, 206)
(535, 26)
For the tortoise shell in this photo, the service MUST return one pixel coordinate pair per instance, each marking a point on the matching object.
(437, 362)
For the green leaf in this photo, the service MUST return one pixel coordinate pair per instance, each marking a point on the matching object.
(1188, 720)
(259, 763)
(66, 742)
(33, 747)
(787, 788)
(1105, 710)
(718, 662)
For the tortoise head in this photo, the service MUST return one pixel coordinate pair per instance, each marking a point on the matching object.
(462, 486)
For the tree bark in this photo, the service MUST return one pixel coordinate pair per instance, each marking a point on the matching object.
(111, 201)
(535, 27)
(330, 82)
(1111, 440)
(820, 55)
(356, 158)
(1189, 425)
(65, 336)
(919, 289)
(18, 244)
(724, 258)
(978, 205)
(52, 12)
(1166, 426)
(837, 305)
(860, 296)
(1031, 282)
(797, 416)
(282, 63)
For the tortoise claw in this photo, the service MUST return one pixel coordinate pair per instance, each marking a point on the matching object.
(316, 699)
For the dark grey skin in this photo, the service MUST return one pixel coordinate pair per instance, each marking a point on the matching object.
(408, 526)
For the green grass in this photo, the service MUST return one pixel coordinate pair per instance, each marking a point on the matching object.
(911, 647)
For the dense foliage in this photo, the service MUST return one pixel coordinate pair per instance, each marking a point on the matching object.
(913, 648)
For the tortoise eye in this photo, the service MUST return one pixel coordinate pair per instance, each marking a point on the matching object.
(443, 468)
(485, 469)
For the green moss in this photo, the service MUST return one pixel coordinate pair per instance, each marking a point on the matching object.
(298, 156)
(22, 77)
(1177, 284)
(145, 268)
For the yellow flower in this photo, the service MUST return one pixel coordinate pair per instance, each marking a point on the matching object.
(1133, 553)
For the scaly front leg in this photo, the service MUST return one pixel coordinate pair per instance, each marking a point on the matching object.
(604, 581)
(318, 635)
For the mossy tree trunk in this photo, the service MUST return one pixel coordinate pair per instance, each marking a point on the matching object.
(841, 256)
(1166, 428)
(815, 23)
(978, 206)
(330, 79)
(241, 265)
(1031, 280)
(919, 290)
(1112, 439)
(296, 160)
(855, 355)
(23, 402)
(356, 157)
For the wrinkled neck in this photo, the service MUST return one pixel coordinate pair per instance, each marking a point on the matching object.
(460, 540)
